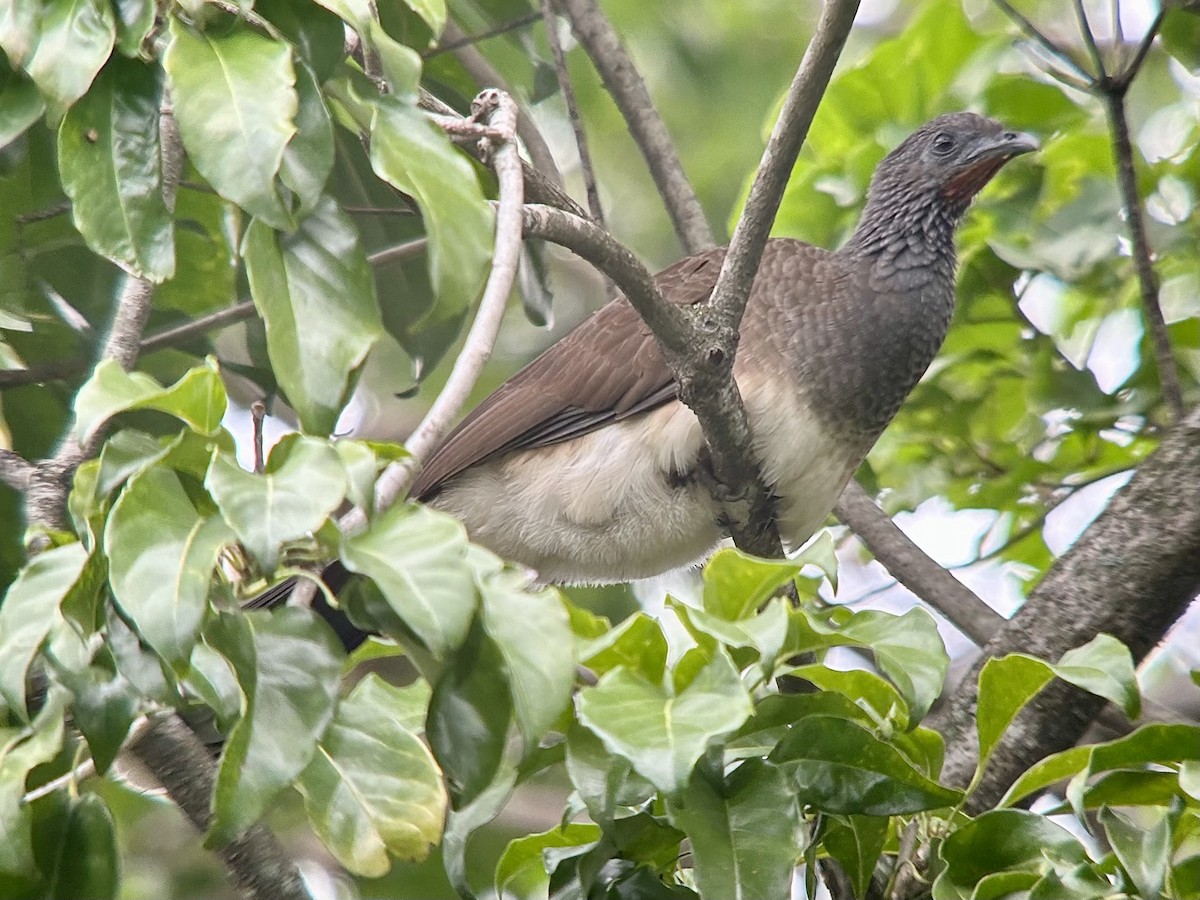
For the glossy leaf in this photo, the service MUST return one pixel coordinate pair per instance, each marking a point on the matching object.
(308, 157)
(856, 843)
(316, 295)
(1149, 744)
(288, 664)
(74, 39)
(197, 399)
(521, 872)
(162, 551)
(29, 610)
(317, 35)
(840, 767)
(736, 585)
(234, 97)
(745, 832)
(469, 717)
(532, 632)
(604, 782)
(108, 157)
(415, 156)
(22, 750)
(660, 732)
(20, 105)
(303, 483)
(1102, 666)
(418, 559)
(86, 863)
(373, 788)
(1003, 841)
(135, 20)
(1143, 848)
(637, 644)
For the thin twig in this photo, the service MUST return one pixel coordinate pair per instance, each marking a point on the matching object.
(712, 394)
(1168, 374)
(87, 768)
(445, 46)
(1047, 44)
(910, 565)
(258, 412)
(487, 76)
(1122, 81)
(568, 92)
(538, 187)
(482, 336)
(621, 78)
(15, 470)
(1118, 31)
(1089, 38)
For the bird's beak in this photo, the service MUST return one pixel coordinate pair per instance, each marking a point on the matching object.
(988, 159)
(1004, 147)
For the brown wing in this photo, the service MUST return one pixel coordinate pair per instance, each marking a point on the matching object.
(608, 368)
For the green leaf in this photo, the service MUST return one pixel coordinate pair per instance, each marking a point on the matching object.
(235, 100)
(1103, 666)
(461, 823)
(861, 687)
(308, 157)
(415, 156)
(162, 551)
(745, 831)
(432, 11)
(736, 585)
(86, 862)
(660, 732)
(856, 842)
(521, 872)
(765, 632)
(21, 750)
(20, 105)
(418, 559)
(469, 717)
(30, 609)
(1144, 849)
(360, 464)
(108, 157)
(104, 708)
(1006, 840)
(197, 399)
(533, 634)
(1153, 744)
(318, 36)
(604, 782)
(907, 648)
(840, 767)
(303, 483)
(373, 787)
(637, 644)
(288, 664)
(316, 295)
(135, 20)
(74, 41)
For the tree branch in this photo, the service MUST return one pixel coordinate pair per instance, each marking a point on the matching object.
(568, 92)
(1131, 575)
(15, 470)
(1089, 38)
(482, 336)
(1168, 373)
(708, 387)
(486, 76)
(1048, 45)
(623, 82)
(445, 46)
(182, 764)
(538, 187)
(914, 569)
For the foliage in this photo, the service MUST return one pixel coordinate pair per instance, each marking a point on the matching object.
(690, 772)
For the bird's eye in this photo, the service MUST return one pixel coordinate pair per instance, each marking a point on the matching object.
(943, 144)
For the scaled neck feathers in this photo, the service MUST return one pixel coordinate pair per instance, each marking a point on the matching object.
(906, 234)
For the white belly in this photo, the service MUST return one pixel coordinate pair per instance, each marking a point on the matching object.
(602, 508)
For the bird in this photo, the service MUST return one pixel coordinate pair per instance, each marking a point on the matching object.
(586, 467)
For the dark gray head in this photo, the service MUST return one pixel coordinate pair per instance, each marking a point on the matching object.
(923, 187)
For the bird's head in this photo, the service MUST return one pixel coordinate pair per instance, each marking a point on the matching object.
(949, 159)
